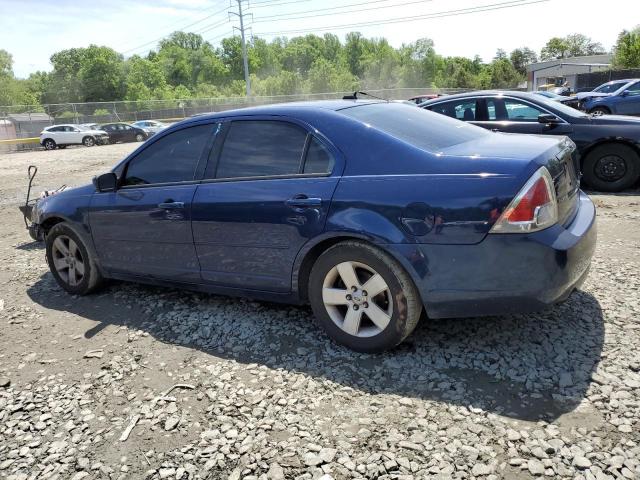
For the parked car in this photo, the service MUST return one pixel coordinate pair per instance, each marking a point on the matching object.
(371, 211)
(569, 101)
(123, 132)
(60, 136)
(151, 127)
(621, 97)
(609, 146)
(91, 126)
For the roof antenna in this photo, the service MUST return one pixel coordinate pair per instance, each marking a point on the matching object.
(355, 96)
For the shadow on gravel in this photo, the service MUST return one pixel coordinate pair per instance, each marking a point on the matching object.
(527, 367)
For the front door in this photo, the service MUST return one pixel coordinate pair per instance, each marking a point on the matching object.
(512, 115)
(630, 103)
(269, 188)
(144, 228)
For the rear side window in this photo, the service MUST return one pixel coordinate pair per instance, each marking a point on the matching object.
(521, 111)
(416, 126)
(173, 158)
(318, 159)
(461, 109)
(257, 148)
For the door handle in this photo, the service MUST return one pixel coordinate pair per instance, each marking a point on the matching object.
(170, 205)
(302, 201)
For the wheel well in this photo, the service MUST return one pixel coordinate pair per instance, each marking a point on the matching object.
(310, 259)
(600, 107)
(49, 223)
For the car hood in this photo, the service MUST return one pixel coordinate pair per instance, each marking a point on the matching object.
(615, 120)
(583, 95)
(95, 132)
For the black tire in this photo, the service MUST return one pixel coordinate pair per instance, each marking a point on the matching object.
(600, 111)
(49, 144)
(91, 277)
(88, 141)
(611, 167)
(139, 137)
(402, 296)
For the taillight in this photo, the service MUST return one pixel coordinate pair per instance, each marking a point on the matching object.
(534, 208)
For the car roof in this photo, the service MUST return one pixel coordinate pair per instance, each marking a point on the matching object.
(285, 108)
(479, 93)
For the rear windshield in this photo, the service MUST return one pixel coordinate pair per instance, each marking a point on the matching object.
(418, 127)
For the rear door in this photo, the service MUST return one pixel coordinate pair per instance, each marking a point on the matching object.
(144, 228)
(267, 190)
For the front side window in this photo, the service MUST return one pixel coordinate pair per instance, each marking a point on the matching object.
(258, 148)
(634, 89)
(173, 158)
(518, 111)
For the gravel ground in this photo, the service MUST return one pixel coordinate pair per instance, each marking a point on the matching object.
(215, 387)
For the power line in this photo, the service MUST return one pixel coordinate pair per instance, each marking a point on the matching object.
(413, 18)
(332, 9)
(181, 28)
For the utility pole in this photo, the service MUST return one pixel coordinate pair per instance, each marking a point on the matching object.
(245, 60)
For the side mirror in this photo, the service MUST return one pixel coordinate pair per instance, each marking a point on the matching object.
(624, 93)
(107, 182)
(548, 118)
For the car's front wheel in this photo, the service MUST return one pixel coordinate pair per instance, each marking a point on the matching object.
(611, 167)
(600, 111)
(88, 141)
(70, 261)
(49, 144)
(139, 137)
(363, 298)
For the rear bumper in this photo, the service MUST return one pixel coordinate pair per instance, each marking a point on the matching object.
(505, 273)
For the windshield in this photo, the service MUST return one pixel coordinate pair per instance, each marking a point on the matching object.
(548, 94)
(418, 127)
(610, 87)
(560, 107)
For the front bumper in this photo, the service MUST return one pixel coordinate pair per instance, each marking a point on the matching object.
(505, 273)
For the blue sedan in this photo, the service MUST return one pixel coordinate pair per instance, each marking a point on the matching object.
(620, 97)
(372, 212)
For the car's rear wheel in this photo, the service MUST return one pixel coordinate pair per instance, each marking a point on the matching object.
(88, 141)
(70, 262)
(600, 111)
(363, 298)
(49, 144)
(139, 137)
(611, 167)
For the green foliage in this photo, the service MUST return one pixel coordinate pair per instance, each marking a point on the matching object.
(627, 49)
(574, 45)
(101, 112)
(185, 66)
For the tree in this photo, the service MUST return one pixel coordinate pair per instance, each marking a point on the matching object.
(6, 64)
(626, 53)
(574, 45)
(521, 57)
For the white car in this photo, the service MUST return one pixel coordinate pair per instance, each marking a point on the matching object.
(151, 127)
(59, 136)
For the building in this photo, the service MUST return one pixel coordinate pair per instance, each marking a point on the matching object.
(564, 70)
(29, 124)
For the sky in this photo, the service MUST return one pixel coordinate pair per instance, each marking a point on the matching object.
(32, 30)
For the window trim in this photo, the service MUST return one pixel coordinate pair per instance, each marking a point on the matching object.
(196, 173)
(510, 98)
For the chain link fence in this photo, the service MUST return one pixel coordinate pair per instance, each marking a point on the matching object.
(21, 122)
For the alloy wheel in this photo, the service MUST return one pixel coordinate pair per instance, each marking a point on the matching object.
(67, 260)
(89, 142)
(357, 299)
